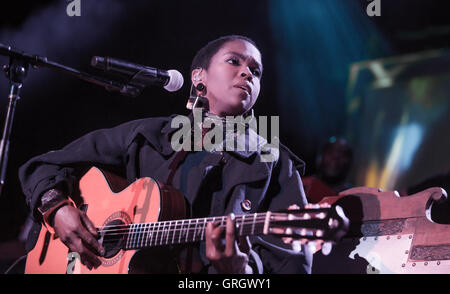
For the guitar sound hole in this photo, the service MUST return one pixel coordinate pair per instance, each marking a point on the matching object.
(113, 238)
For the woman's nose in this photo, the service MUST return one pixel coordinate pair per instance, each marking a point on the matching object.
(246, 73)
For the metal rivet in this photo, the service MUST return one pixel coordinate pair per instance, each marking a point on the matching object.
(438, 263)
(399, 237)
(425, 263)
(246, 205)
(407, 252)
(376, 238)
(387, 238)
(414, 264)
(410, 236)
(364, 239)
(403, 265)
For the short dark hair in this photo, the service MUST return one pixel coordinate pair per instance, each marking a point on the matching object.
(203, 57)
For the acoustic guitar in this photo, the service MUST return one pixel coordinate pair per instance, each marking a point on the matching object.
(142, 227)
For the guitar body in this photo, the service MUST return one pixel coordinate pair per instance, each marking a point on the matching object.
(106, 203)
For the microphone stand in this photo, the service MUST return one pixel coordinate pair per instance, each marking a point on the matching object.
(16, 72)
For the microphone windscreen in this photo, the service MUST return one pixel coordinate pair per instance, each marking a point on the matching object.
(175, 81)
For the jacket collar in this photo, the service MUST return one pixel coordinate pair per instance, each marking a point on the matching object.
(244, 153)
(162, 143)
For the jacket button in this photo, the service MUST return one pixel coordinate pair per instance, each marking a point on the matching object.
(246, 205)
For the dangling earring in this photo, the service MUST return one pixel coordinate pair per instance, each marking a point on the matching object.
(196, 100)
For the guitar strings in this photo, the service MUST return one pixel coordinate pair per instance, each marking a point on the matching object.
(191, 222)
(165, 238)
(172, 225)
(174, 232)
(140, 233)
(164, 230)
(160, 230)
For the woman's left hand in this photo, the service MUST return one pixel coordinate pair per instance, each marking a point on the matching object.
(234, 256)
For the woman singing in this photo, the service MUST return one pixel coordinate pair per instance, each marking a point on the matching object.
(227, 73)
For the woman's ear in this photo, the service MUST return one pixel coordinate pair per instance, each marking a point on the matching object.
(197, 76)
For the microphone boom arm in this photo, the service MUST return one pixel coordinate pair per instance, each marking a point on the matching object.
(16, 72)
(40, 61)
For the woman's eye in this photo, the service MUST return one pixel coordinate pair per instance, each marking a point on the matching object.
(256, 72)
(233, 61)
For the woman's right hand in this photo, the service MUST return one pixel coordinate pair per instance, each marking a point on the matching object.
(78, 233)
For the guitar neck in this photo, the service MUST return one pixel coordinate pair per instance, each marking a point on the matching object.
(143, 235)
(189, 230)
(312, 224)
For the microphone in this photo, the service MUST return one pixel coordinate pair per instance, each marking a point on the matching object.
(172, 80)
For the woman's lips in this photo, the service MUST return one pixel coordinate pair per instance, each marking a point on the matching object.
(246, 88)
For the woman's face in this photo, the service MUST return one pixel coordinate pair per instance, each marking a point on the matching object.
(233, 78)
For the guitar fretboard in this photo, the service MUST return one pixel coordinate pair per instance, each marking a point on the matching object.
(188, 230)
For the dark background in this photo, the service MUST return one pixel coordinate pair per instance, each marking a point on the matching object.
(55, 109)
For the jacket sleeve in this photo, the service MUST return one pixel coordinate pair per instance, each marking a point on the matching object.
(284, 190)
(62, 168)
